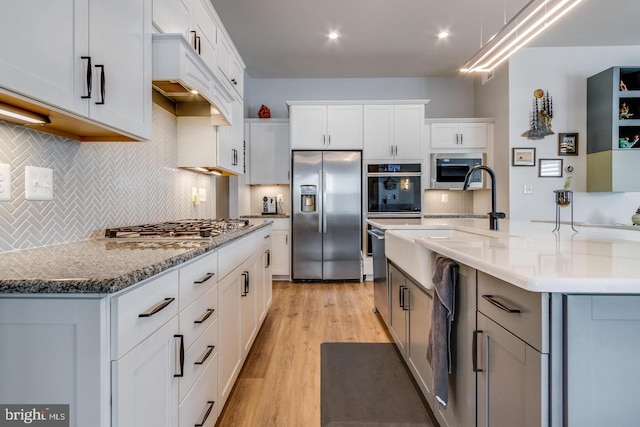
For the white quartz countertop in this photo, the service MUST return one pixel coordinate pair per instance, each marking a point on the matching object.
(530, 255)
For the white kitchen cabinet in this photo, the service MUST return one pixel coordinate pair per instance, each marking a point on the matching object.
(196, 20)
(326, 127)
(231, 150)
(95, 64)
(145, 381)
(281, 248)
(393, 131)
(398, 318)
(458, 135)
(265, 295)
(53, 352)
(269, 151)
(230, 65)
(229, 316)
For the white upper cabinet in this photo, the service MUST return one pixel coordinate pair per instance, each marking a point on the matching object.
(230, 66)
(172, 16)
(393, 131)
(269, 151)
(459, 135)
(326, 127)
(86, 59)
(231, 141)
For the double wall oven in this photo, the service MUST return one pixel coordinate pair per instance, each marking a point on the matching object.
(394, 190)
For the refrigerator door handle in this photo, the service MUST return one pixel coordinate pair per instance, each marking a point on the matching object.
(320, 200)
(324, 199)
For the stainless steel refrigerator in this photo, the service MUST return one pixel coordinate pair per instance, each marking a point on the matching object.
(326, 215)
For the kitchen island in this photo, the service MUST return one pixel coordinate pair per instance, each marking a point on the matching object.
(132, 332)
(548, 324)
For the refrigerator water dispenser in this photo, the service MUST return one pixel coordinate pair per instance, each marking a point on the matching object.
(308, 198)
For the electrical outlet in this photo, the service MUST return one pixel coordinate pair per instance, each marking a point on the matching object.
(5, 182)
(444, 198)
(279, 198)
(38, 183)
(526, 189)
(202, 194)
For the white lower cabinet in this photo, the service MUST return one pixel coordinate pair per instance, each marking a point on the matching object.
(281, 248)
(162, 353)
(145, 381)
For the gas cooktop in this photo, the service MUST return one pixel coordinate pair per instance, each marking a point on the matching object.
(180, 229)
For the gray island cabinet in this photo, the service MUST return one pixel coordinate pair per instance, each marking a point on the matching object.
(547, 327)
(123, 351)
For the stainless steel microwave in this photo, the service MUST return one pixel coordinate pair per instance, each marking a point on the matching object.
(448, 170)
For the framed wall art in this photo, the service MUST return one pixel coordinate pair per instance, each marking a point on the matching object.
(523, 157)
(550, 168)
(567, 144)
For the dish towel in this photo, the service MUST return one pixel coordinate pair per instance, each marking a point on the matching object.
(444, 280)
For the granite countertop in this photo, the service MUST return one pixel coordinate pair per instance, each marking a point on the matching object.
(101, 266)
(264, 216)
(532, 256)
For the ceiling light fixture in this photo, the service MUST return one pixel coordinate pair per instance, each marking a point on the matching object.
(333, 35)
(533, 19)
(20, 115)
(443, 34)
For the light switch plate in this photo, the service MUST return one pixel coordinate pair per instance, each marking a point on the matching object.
(5, 182)
(38, 183)
(202, 194)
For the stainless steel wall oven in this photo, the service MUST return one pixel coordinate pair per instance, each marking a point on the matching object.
(394, 189)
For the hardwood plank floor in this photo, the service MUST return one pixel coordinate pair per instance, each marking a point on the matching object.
(280, 382)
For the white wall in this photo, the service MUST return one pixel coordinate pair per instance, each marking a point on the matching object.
(563, 72)
(450, 97)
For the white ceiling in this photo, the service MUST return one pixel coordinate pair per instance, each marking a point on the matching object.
(396, 38)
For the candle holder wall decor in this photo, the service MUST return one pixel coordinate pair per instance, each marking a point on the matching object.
(541, 115)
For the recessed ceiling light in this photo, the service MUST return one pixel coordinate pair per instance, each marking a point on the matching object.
(333, 35)
(443, 34)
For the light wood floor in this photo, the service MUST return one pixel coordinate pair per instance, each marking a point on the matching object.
(280, 382)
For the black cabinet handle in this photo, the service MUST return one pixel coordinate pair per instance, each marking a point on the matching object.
(205, 355)
(474, 351)
(500, 305)
(268, 259)
(102, 85)
(195, 37)
(210, 404)
(244, 284)
(89, 77)
(204, 278)
(405, 305)
(234, 81)
(181, 358)
(157, 307)
(198, 44)
(205, 316)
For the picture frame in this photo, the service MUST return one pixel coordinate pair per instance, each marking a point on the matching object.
(567, 144)
(523, 156)
(550, 168)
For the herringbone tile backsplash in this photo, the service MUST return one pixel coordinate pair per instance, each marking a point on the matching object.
(96, 185)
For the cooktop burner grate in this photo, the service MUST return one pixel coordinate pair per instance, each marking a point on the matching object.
(185, 228)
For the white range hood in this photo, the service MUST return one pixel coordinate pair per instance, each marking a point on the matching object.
(181, 75)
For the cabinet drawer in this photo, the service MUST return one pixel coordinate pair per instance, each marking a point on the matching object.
(198, 357)
(201, 403)
(198, 316)
(234, 254)
(197, 277)
(519, 311)
(137, 314)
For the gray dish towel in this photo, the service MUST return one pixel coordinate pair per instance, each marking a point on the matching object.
(444, 280)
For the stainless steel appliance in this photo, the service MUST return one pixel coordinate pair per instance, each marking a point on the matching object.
(394, 189)
(269, 205)
(193, 229)
(326, 208)
(380, 285)
(448, 170)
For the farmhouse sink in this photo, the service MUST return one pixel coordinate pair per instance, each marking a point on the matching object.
(402, 248)
(417, 261)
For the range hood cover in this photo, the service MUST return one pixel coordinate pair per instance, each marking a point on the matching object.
(181, 75)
